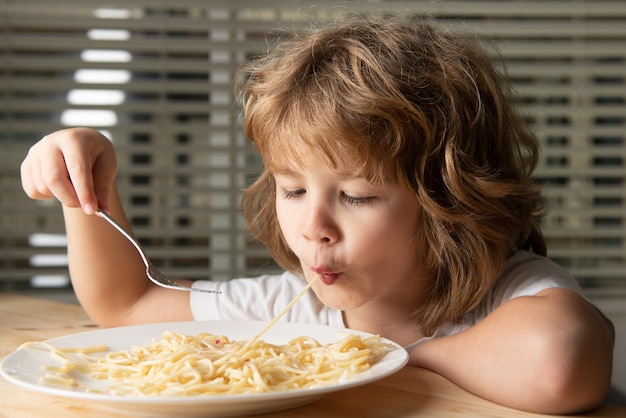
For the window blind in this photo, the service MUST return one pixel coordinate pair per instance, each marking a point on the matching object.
(156, 77)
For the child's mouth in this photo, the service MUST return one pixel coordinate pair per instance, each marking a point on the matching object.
(328, 278)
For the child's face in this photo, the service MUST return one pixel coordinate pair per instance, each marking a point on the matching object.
(359, 237)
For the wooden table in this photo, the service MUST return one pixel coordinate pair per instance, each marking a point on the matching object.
(412, 392)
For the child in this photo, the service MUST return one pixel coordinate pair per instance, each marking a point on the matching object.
(399, 173)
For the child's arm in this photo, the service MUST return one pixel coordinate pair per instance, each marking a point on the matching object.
(78, 166)
(549, 353)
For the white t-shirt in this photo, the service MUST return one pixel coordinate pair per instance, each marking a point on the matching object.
(262, 298)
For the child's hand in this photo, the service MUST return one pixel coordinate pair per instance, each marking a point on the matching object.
(76, 166)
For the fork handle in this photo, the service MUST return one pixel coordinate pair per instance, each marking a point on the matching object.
(117, 226)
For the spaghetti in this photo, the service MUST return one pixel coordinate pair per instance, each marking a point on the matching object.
(208, 364)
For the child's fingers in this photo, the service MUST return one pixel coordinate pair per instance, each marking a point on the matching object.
(29, 182)
(75, 166)
(79, 176)
(103, 177)
(36, 182)
(53, 179)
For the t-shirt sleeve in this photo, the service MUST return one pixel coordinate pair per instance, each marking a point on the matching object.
(527, 274)
(260, 299)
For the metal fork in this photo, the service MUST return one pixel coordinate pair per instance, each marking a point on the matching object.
(154, 274)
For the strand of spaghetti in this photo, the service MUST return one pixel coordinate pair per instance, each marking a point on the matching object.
(277, 317)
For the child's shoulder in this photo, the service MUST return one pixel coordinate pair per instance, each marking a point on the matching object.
(526, 274)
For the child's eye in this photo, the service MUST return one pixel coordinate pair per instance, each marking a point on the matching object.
(357, 201)
(292, 193)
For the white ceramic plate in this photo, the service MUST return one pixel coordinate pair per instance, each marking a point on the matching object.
(25, 366)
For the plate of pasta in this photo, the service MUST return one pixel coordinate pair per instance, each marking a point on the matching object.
(203, 368)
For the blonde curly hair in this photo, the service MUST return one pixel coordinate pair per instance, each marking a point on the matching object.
(413, 105)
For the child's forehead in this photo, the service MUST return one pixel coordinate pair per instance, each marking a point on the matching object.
(295, 161)
(289, 149)
(345, 166)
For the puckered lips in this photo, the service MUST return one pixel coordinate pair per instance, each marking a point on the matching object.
(327, 276)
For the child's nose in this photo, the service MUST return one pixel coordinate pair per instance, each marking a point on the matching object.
(320, 226)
